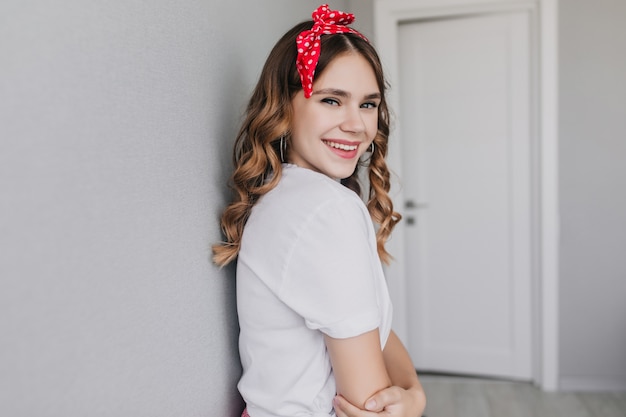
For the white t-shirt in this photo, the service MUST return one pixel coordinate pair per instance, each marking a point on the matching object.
(308, 265)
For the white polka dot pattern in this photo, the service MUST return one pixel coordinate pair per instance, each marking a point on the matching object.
(325, 22)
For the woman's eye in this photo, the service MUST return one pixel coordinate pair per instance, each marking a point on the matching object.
(330, 101)
(370, 105)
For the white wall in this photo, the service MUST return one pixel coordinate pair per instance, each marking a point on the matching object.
(592, 177)
(116, 124)
(592, 139)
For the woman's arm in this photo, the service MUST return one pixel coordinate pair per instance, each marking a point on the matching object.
(399, 364)
(359, 366)
(405, 398)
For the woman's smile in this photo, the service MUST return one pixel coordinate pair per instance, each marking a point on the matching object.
(343, 148)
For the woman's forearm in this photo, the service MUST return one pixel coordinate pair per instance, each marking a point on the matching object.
(405, 398)
(399, 365)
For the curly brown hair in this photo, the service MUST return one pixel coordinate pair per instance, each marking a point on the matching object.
(268, 116)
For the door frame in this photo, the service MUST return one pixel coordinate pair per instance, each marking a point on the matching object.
(388, 15)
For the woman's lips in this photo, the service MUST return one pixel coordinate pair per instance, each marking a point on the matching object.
(343, 148)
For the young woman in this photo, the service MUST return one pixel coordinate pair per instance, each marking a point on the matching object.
(313, 306)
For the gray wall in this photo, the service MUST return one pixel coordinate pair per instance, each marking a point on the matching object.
(116, 123)
(364, 13)
(592, 193)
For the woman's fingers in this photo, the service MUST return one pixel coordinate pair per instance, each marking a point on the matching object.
(384, 398)
(343, 408)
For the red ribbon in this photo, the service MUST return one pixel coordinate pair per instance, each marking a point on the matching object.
(325, 22)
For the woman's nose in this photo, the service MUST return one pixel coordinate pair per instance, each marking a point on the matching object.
(353, 121)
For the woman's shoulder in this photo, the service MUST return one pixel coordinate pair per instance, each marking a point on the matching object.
(304, 211)
(302, 194)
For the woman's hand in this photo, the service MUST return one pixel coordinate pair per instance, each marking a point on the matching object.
(389, 402)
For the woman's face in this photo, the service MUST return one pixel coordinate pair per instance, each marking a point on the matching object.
(335, 126)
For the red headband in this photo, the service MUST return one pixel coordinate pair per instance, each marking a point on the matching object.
(325, 22)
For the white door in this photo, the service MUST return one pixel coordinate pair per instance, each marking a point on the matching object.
(465, 124)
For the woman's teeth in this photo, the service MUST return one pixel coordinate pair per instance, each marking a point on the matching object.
(341, 146)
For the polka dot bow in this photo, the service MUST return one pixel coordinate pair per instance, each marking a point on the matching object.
(325, 22)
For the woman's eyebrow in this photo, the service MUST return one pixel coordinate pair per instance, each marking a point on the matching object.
(341, 93)
(333, 92)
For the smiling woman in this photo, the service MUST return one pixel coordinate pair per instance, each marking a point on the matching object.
(314, 310)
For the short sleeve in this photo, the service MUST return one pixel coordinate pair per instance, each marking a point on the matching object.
(329, 277)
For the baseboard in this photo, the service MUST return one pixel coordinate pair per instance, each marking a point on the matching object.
(589, 383)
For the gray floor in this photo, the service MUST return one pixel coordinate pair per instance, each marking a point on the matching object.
(471, 397)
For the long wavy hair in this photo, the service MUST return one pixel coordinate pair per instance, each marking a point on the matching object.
(257, 153)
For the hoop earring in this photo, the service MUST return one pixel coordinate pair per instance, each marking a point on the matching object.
(283, 148)
(371, 147)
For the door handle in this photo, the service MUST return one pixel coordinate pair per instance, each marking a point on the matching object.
(410, 204)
